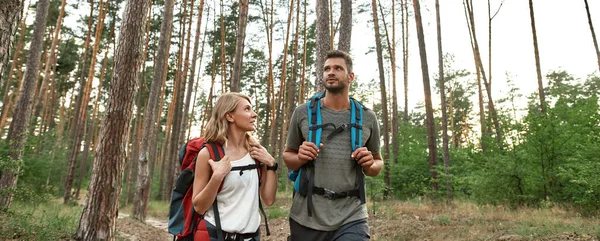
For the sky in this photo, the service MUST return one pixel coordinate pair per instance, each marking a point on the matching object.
(563, 34)
(564, 40)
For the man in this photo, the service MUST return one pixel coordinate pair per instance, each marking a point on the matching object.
(333, 210)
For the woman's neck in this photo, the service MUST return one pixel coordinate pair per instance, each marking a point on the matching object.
(236, 139)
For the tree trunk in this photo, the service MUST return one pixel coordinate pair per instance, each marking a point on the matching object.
(51, 57)
(345, 40)
(16, 63)
(479, 63)
(291, 83)
(12, 11)
(405, 29)
(392, 52)
(384, 106)
(185, 106)
(76, 135)
(587, 10)
(99, 216)
(303, 75)
(536, 52)
(268, 21)
(278, 104)
(431, 136)
(17, 132)
(446, 151)
(144, 180)
(239, 46)
(190, 88)
(323, 44)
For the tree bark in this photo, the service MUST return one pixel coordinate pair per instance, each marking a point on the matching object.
(278, 105)
(587, 10)
(239, 46)
(345, 40)
(267, 14)
(431, 140)
(446, 151)
(536, 52)
(142, 193)
(405, 29)
(16, 63)
(78, 126)
(52, 56)
(11, 11)
(17, 132)
(384, 106)
(99, 216)
(323, 44)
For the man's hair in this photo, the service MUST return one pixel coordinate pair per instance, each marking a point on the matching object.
(343, 55)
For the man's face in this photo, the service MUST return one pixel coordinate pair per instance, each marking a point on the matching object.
(335, 75)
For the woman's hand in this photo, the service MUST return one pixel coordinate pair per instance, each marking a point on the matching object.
(221, 168)
(259, 153)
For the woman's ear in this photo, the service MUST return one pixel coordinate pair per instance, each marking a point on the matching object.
(229, 117)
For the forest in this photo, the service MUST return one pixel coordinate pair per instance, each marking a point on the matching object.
(98, 96)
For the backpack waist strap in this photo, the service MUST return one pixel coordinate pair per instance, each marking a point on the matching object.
(331, 195)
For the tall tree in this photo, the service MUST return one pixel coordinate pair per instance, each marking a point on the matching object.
(392, 52)
(278, 119)
(323, 44)
(384, 106)
(16, 61)
(12, 11)
(431, 135)
(345, 40)
(82, 113)
(589, 16)
(239, 46)
(52, 56)
(99, 216)
(446, 152)
(17, 132)
(158, 77)
(536, 52)
(468, 4)
(405, 35)
(267, 16)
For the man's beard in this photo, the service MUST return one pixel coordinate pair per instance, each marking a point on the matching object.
(335, 89)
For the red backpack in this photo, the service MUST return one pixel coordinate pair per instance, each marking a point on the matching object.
(184, 221)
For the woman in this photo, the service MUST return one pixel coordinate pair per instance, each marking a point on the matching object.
(231, 121)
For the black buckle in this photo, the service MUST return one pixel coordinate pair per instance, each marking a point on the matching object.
(230, 236)
(329, 194)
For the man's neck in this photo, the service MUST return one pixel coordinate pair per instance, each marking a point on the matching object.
(336, 101)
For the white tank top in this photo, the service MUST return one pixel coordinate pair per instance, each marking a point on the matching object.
(238, 200)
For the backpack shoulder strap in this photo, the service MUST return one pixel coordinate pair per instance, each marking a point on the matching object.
(315, 121)
(216, 152)
(356, 121)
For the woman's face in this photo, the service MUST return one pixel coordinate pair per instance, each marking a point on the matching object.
(243, 116)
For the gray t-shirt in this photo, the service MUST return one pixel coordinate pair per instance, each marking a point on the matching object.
(334, 168)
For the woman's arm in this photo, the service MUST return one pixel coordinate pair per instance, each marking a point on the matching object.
(206, 185)
(268, 187)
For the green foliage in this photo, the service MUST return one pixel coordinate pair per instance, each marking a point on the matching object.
(39, 221)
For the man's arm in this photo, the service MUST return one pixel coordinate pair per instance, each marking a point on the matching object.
(374, 169)
(371, 163)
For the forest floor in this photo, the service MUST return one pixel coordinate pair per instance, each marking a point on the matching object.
(396, 220)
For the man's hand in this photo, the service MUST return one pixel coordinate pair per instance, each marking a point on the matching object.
(308, 151)
(364, 157)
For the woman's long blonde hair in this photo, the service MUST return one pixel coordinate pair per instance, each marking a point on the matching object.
(217, 126)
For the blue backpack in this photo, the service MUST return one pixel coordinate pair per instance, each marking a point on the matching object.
(303, 178)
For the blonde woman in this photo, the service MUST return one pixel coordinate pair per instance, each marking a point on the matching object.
(236, 191)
